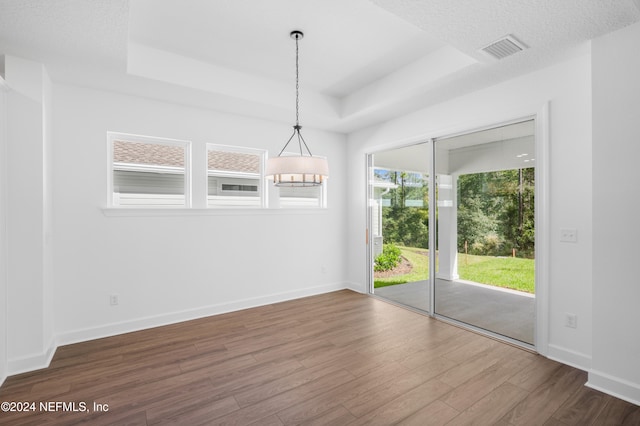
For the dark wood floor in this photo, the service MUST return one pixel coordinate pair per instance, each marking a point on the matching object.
(339, 358)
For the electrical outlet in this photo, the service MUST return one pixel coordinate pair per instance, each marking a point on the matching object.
(569, 235)
(571, 320)
(114, 299)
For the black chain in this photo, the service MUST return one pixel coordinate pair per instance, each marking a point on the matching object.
(296, 129)
(297, 85)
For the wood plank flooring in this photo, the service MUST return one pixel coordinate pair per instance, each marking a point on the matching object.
(341, 358)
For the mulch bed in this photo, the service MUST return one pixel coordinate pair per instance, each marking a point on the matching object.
(404, 267)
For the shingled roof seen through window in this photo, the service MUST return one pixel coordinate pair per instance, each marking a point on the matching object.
(173, 156)
(234, 161)
(147, 153)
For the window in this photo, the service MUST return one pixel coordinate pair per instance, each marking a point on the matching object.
(148, 172)
(234, 177)
(153, 172)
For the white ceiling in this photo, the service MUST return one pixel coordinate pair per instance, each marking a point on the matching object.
(361, 61)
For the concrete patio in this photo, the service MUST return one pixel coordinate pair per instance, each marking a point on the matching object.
(507, 312)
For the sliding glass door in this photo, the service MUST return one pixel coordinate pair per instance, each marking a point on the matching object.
(486, 228)
(470, 199)
(399, 223)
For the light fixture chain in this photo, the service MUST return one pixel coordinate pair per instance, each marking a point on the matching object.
(297, 86)
(292, 170)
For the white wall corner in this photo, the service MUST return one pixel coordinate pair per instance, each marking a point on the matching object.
(32, 362)
(615, 386)
(3, 229)
(24, 76)
(357, 287)
(542, 220)
(569, 357)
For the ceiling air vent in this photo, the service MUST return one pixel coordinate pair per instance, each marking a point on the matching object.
(506, 46)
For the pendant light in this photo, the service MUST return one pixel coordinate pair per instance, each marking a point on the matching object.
(301, 169)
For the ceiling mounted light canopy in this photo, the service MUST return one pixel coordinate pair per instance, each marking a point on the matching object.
(301, 169)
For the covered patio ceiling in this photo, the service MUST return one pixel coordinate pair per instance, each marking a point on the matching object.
(494, 142)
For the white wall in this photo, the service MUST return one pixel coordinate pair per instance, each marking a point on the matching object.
(3, 231)
(29, 281)
(47, 219)
(169, 268)
(567, 88)
(616, 149)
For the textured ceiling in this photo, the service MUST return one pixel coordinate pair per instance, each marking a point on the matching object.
(362, 61)
(59, 30)
(548, 27)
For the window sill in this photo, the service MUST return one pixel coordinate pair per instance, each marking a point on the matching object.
(229, 211)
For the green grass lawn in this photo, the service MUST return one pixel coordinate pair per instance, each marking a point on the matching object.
(507, 272)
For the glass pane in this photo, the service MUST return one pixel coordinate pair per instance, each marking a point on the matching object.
(309, 196)
(233, 178)
(485, 230)
(236, 162)
(400, 225)
(148, 174)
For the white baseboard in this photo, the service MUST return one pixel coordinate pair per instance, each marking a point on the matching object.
(32, 362)
(113, 329)
(614, 386)
(567, 356)
(357, 287)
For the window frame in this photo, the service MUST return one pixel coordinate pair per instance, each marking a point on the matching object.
(153, 140)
